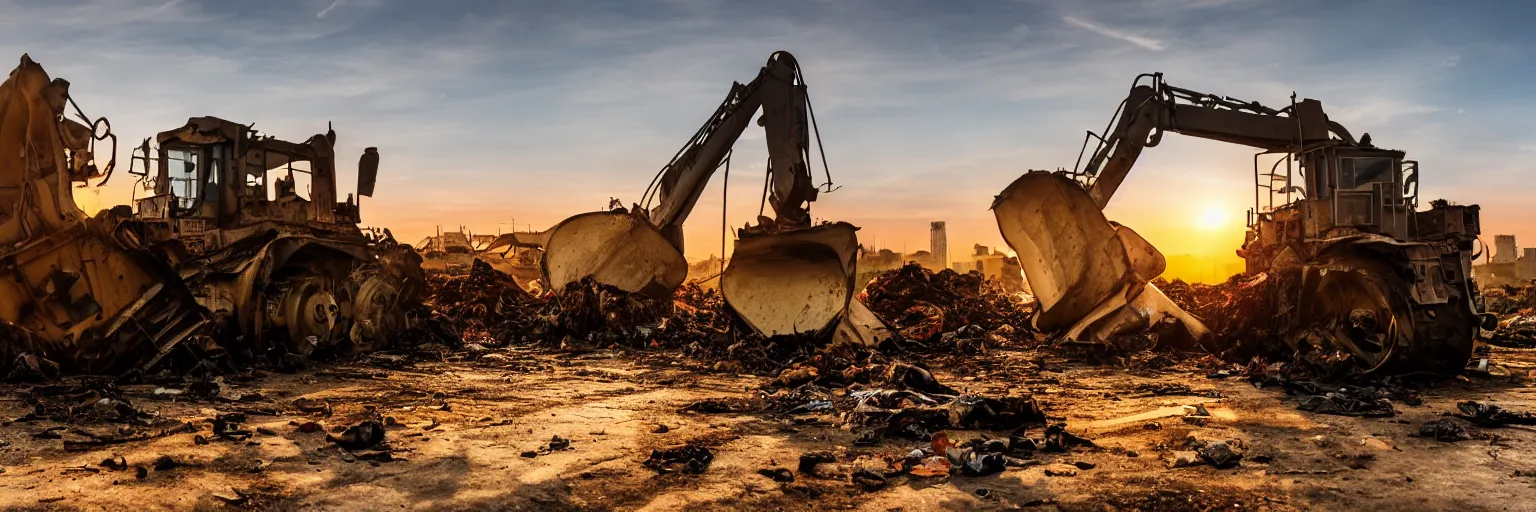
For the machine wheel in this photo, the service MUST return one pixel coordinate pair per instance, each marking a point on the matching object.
(1364, 308)
(1358, 308)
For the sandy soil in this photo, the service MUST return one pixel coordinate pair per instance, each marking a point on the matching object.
(462, 429)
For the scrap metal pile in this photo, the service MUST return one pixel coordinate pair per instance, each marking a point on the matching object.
(1515, 307)
(912, 425)
(943, 311)
(947, 310)
(488, 308)
(1247, 315)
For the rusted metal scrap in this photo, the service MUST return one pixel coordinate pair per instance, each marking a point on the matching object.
(78, 291)
(285, 272)
(225, 250)
(934, 310)
(1515, 309)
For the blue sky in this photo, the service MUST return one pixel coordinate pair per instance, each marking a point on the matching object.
(490, 111)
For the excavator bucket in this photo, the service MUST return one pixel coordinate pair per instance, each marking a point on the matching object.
(615, 248)
(1089, 274)
(796, 282)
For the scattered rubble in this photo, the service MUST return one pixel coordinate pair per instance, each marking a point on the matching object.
(691, 459)
(361, 436)
(1515, 307)
(1445, 430)
(1493, 416)
(946, 310)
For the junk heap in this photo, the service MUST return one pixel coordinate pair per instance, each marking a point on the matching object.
(1515, 307)
(947, 311)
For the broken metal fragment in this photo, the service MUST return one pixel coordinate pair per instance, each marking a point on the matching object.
(360, 436)
(783, 475)
(692, 459)
(1493, 416)
(1445, 430)
(1222, 454)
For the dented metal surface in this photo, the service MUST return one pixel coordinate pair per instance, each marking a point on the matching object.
(77, 289)
(1091, 276)
(797, 282)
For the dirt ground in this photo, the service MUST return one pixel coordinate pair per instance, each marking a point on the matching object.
(457, 433)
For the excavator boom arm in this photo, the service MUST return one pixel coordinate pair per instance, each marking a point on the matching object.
(1152, 109)
(777, 91)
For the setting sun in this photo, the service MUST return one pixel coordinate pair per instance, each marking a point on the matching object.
(1212, 217)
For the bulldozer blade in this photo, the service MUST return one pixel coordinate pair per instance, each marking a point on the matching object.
(796, 282)
(614, 248)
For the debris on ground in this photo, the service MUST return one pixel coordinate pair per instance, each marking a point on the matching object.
(1220, 454)
(721, 405)
(1241, 312)
(932, 467)
(1061, 470)
(691, 459)
(361, 436)
(778, 474)
(868, 480)
(1368, 402)
(555, 444)
(1445, 430)
(809, 460)
(1493, 416)
(946, 310)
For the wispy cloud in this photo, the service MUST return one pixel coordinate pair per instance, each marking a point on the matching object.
(329, 8)
(1144, 42)
(488, 110)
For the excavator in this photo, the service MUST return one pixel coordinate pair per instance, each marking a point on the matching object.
(787, 275)
(1379, 280)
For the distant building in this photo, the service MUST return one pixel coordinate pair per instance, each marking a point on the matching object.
(1504, 249)
(457, 242)
(926, 259)
(999, 266)
(1508, 265)
(707, 272)
(1526, 267)
(938, 243)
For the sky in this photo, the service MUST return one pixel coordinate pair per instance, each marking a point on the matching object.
(491, 114)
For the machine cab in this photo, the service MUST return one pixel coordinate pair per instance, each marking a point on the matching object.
(1358, 188)
(213, 174)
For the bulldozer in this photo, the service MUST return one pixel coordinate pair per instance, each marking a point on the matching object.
(286, 269)
(1378, 279)
(787, 275)
(206, 256)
